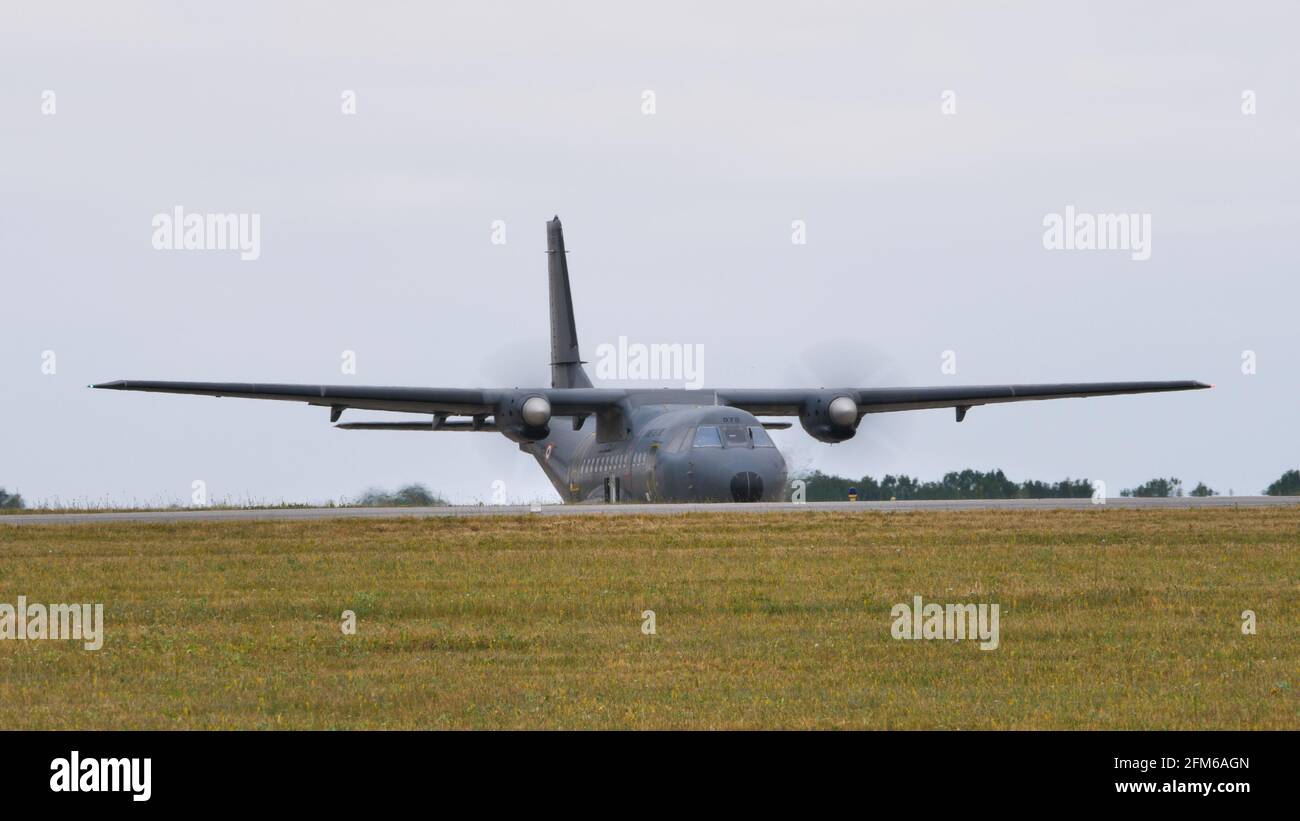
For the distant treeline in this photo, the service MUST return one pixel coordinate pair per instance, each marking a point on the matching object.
(994, 484)
(409, 496)
(1287, 485)
(965, 484)
(414, 495)
(822, 487)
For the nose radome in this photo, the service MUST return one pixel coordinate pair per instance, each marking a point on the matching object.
(747, 486)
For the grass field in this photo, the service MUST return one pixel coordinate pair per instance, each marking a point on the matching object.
(1109, 619)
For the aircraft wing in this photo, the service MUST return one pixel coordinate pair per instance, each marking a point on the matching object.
(480, 402)
(881, 400)
(460, 401)
(453, 401)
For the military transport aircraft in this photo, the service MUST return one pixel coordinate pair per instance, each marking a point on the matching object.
(641, 445)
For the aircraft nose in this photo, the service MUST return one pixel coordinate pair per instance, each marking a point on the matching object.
(747, 486)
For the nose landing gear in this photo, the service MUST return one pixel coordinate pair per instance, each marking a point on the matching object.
(747, 487)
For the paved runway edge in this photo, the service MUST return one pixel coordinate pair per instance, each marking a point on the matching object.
(309, 514)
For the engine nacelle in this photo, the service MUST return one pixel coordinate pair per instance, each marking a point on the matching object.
(524, 417)
(830, 417)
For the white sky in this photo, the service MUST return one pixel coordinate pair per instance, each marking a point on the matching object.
(924, 230)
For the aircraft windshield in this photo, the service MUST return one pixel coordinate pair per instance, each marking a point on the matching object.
(760, 437)
(706, 436)
(735, 436)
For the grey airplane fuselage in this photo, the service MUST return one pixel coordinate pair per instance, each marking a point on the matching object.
(675, 452)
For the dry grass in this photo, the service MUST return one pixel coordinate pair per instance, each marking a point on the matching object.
(1110, 619)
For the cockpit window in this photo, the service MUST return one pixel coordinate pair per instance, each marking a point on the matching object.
(735, 436)
(706, 436)
(760, 437)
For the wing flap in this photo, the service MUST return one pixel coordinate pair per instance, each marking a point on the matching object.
(431, 427)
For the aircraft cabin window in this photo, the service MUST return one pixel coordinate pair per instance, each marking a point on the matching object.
(760, 437)
(706, 436)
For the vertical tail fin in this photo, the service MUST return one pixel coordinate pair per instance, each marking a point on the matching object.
(566, 362)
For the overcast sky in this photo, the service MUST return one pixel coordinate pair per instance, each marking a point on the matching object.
(924, 227)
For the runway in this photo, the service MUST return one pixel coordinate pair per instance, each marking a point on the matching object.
(307, 514)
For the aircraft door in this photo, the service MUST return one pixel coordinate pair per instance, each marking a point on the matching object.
(651, 476)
